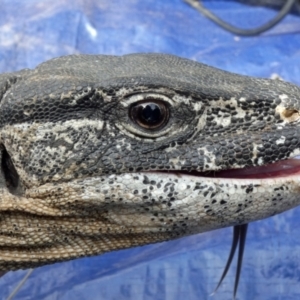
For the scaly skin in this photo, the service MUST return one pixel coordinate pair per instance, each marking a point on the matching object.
(80, 177)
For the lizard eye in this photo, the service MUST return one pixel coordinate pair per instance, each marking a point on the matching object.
(150, 114)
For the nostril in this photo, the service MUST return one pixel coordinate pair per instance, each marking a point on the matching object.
(10, 173)
(288, 115)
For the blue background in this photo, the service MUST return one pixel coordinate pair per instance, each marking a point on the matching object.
(32, 31)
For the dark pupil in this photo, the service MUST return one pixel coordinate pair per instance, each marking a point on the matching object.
(151, 113)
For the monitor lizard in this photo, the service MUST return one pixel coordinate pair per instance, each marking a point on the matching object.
(100, 153)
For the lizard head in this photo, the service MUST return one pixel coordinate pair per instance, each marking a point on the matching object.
(102, 152)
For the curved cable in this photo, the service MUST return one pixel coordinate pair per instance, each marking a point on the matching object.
(286, 8)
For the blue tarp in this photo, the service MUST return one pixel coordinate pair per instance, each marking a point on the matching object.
(32, 31)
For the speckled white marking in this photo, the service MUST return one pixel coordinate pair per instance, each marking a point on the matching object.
(281, 140)
(294, 153)
(283, 97)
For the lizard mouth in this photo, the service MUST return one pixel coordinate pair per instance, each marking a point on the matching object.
(278, 169)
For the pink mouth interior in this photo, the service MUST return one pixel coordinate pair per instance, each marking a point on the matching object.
(279, 169)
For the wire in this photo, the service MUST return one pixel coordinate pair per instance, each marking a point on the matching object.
(17, 288)
(286, 8)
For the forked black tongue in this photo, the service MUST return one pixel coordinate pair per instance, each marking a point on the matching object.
(239, 237)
